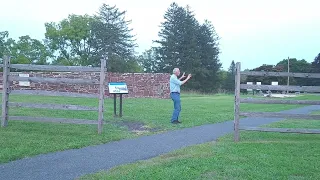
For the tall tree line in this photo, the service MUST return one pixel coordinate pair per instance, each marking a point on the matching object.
(186, 43)
(79, 40)
(183, 42)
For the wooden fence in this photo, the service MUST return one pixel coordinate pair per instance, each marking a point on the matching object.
(238, 100)
(7, 79)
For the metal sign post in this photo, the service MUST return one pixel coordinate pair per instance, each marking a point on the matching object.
(117, 88)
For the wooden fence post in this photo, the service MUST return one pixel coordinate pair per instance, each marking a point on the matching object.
(5, 91)
(101, 94)
(237, 103)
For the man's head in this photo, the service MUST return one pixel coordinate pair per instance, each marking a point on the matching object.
(176, 71)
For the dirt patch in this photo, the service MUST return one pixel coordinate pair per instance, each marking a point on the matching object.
(137, 127)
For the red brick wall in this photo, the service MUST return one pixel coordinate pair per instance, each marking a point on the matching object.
(139, 84)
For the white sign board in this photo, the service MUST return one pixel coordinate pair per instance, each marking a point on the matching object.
(274, 83)
(258, 83)
(118, 88)
(24, 83)
(250, 84)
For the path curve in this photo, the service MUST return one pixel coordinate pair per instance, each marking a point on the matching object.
(74, 163)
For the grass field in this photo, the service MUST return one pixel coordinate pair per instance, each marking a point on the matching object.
(259, 155)
(142, 116)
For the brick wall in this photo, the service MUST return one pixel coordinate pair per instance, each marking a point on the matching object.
(139, 84)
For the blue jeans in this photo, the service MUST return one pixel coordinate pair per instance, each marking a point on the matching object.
(177, 106)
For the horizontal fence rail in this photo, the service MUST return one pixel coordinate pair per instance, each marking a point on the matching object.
(52, 106)
(278, 101)
(32, 67)
(8, 78)
(281, 74)
(54, 80)
(52, 93)
(282, 87)
(53, 120)
(282, 130)
(280, 115)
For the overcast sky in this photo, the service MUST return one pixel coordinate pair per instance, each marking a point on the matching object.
(252, 32)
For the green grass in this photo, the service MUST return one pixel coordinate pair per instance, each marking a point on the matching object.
(259, 155)
(25, 139)
(196, 109)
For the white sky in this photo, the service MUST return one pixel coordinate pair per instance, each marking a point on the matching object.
(265, 31)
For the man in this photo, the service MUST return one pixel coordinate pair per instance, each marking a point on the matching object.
(175, 84)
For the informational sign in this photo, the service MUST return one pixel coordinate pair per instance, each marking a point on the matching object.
(274, 83)
(24, 83)
(118, 88)
(258, 83)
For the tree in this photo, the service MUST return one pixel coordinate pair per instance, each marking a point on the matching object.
(299, 66)
(185, 43)
(229, 84)
(29, 51)
(316, 62)
(149, 61)
(265, 80)
(3, 36)
(6, 44)
(208, 50)
(118, 64)
(70, 39)
(25, 51)
(111, 35)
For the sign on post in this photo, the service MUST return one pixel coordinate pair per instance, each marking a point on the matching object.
(118, 88)
(24, 83)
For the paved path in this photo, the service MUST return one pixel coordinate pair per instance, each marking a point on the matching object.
(71, 164)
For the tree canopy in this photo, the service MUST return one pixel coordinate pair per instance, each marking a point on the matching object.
(183, 41)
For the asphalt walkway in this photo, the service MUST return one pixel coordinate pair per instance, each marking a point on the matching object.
(74, 163)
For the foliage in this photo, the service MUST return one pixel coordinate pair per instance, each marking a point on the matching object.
(29, 51)
(70, 40)
(229, 84)
(149, 61)
(25, 51)
(3, 40)
(299, 66)
(111, 35)
(189, 45)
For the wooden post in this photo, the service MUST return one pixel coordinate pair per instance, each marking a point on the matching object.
(237, 103)
(120, 114)
(101, 94)
(5, 91)
(114, 105)
(288, 74)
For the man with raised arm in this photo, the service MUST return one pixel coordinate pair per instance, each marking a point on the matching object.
(175, 84)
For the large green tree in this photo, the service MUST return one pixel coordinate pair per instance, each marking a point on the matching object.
(69, 39)
(189, 45)
(84, 40)
(111, 35)
(24, 51)
(29, 51)
(6, 44)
